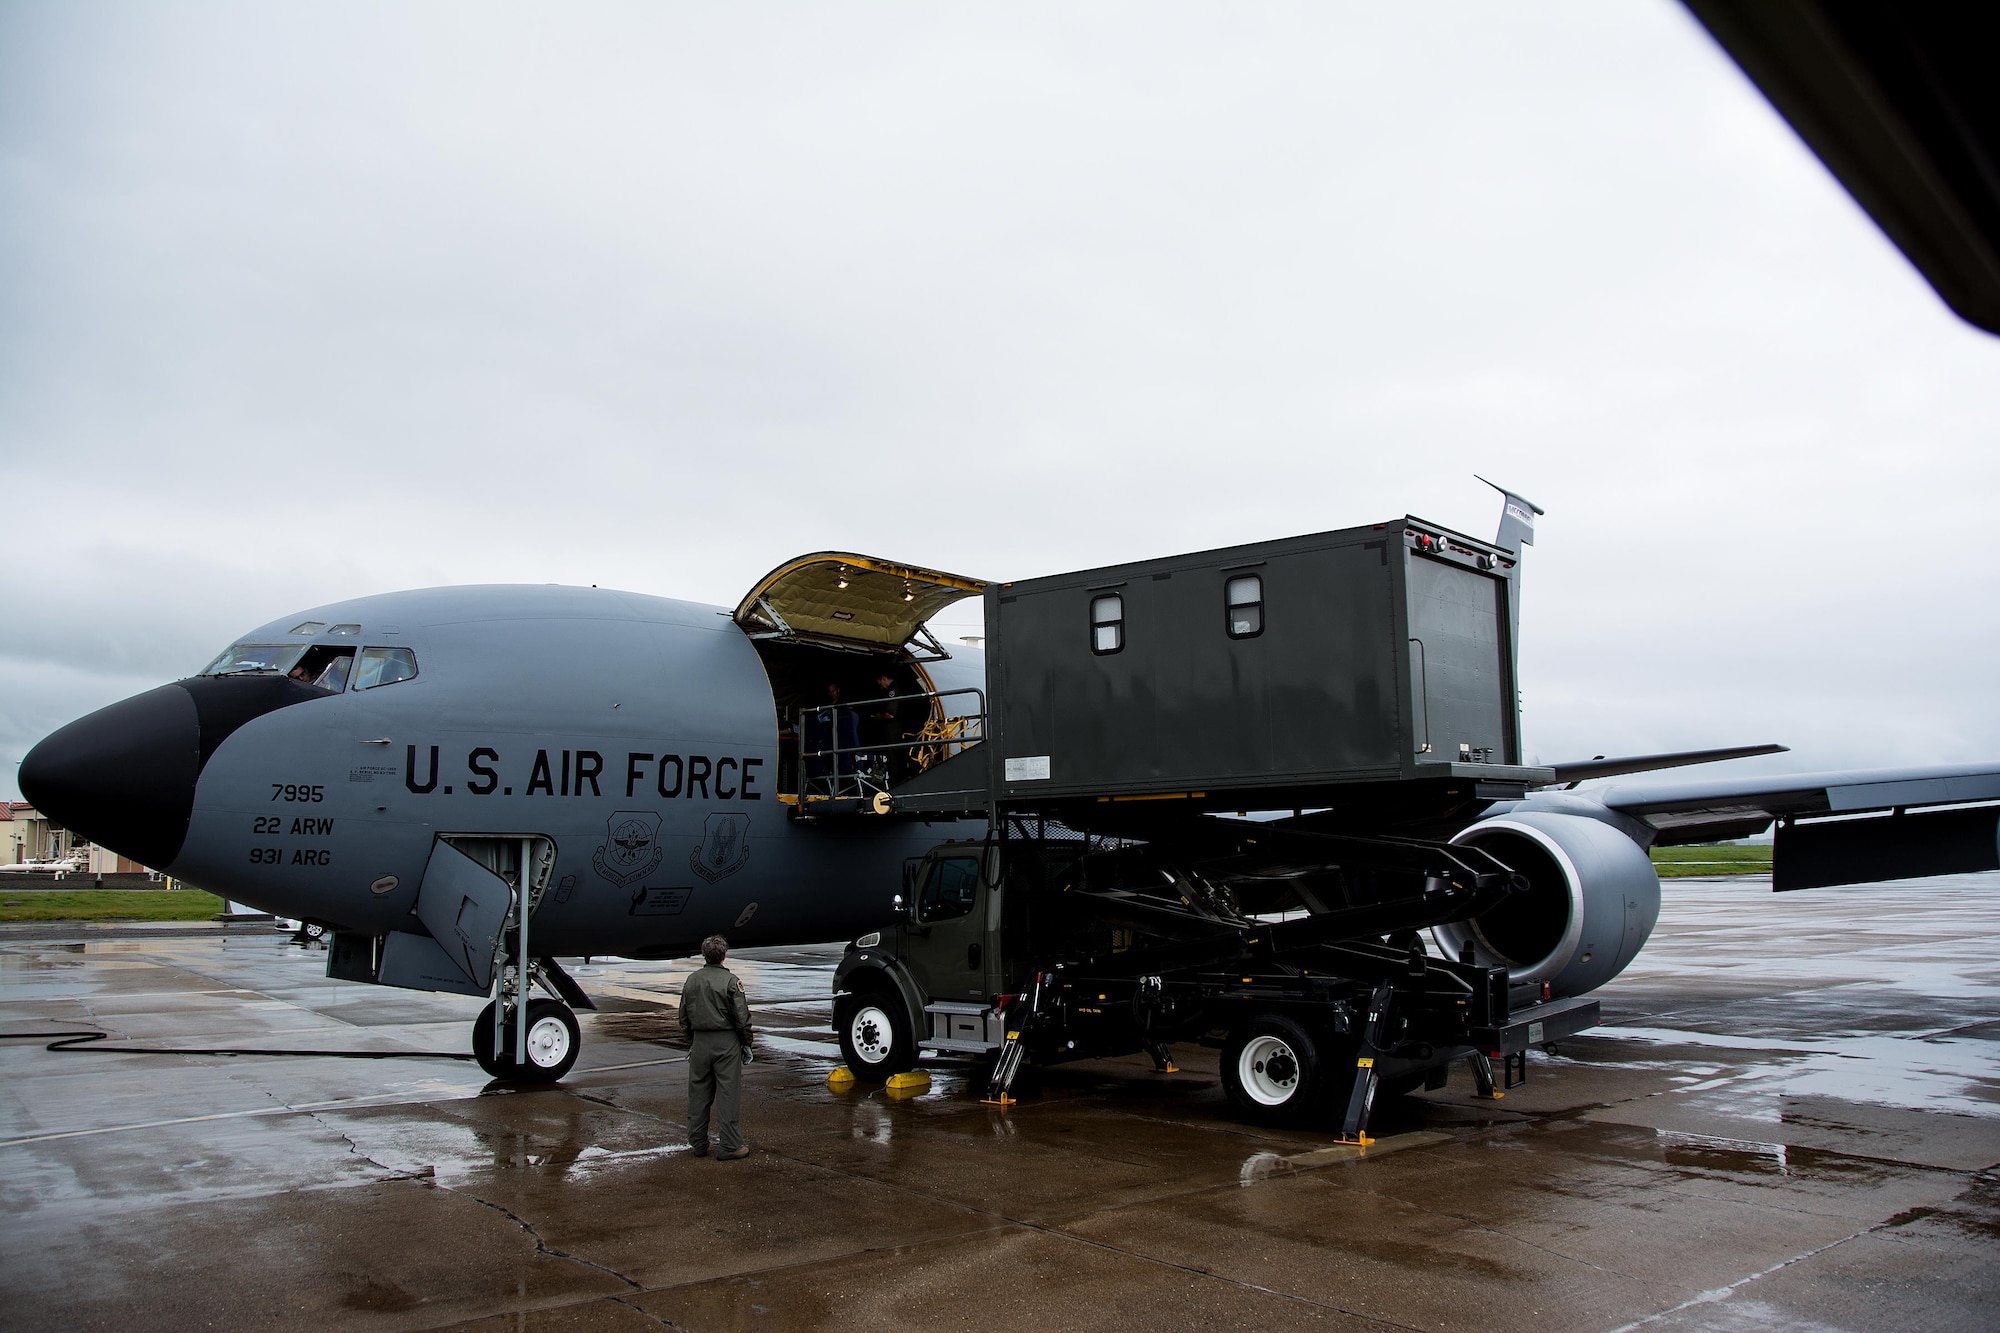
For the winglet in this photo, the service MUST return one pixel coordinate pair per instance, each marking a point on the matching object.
(1517, 519)
(1569, 774)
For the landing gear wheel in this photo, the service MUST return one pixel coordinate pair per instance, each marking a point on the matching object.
(1273, 1072)
(554, 1042)
(874, 1034)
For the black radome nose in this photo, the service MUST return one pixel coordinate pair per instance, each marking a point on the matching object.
(124, 776)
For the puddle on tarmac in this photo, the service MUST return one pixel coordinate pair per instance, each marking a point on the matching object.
(1261, 1166)
(1959, 1075)
(452, 1153)
(1705, 1155)
(659, 1029)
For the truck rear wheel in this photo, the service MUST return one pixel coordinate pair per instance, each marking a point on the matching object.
(874, 1032)
(1273, 1071)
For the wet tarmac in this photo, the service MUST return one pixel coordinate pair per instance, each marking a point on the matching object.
(1790, 1119)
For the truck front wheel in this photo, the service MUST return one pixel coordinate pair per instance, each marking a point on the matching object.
(1273, 1071)
(875, 1035)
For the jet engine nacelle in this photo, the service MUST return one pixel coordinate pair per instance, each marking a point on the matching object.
(1592, 899)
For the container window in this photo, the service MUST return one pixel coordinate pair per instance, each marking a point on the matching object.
(1107, 624)
(1243, 598)
(384, 666)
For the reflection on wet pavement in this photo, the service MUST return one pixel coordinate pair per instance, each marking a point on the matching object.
(1791, 1117)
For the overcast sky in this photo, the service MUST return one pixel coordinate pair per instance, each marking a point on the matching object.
(303, 302)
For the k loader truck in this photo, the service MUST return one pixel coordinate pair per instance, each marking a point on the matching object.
(1225, 800)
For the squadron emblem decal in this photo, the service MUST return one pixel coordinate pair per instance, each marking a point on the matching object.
(631, 847)
(725, 846)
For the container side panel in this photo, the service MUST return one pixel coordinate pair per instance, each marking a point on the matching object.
(1091, 715)
(1184, 706)
(1457, 664)
(1333, 698)
(1213, 716)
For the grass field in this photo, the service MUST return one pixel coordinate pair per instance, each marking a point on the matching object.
(194, 905)
(108, 905)
(1714, 859)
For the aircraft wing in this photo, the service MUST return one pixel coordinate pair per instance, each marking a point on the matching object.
(1846, 827)
(1898, 101)
(1569, 774)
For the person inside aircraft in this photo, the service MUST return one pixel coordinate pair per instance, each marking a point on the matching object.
(890, 723)
(334, 675)
(324, 667)
(878, 719)
(817, 725)
(788, 748)
(831, 726)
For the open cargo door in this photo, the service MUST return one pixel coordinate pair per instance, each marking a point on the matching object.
(839, 600)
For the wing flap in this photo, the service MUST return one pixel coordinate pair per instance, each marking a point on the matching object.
(1893, 792)
(1850, 791)
(1814, 854)
(1819, 843)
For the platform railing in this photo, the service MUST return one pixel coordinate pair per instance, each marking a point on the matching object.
(832, 772)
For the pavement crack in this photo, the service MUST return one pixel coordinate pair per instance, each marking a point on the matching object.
(659, 1319)
(1715, 1294)
(426, 1172)
(542, 1246)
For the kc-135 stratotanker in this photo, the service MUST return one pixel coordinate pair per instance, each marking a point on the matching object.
(1268, 798)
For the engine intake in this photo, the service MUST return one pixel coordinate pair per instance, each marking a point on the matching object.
(1591, 902)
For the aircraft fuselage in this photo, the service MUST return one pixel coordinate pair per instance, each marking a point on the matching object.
(637, 734)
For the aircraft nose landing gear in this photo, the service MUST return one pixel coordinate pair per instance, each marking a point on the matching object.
(553, 1043)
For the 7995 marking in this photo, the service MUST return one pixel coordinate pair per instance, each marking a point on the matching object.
(298, 791)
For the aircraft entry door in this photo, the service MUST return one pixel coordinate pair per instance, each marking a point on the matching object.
(464, 904)
(464, 907)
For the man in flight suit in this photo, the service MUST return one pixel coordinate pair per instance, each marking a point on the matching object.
(715, 1018)
(881, 724)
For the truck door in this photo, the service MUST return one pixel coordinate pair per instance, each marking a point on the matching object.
(949, 925)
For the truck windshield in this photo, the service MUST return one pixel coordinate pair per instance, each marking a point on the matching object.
(265, 658)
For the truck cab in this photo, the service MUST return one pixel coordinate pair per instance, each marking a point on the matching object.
(933, 980)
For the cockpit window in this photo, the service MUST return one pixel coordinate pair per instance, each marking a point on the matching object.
(243, 658)
(325, 666)
(384, 666)
(346, 631)
(307, 627)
